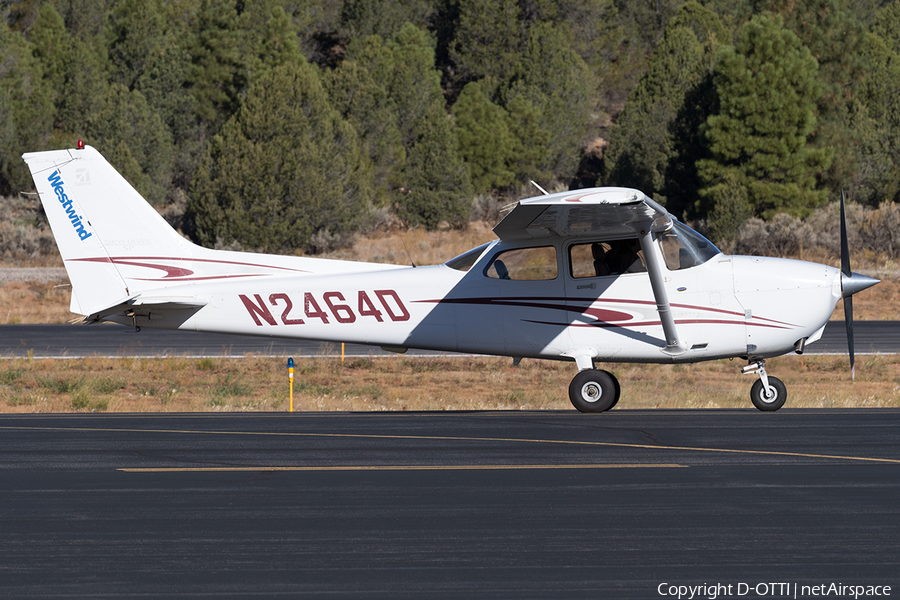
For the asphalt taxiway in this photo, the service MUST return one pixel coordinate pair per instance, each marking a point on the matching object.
(52, 341)
(452, 505)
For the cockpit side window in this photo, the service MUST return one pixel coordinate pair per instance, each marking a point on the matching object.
(524, 264)
(614, 257)
(684, 248)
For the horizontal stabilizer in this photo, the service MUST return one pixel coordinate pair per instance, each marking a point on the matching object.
(155, 303)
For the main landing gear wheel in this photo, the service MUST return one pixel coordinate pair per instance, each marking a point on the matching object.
(772, 402)
(594, 391)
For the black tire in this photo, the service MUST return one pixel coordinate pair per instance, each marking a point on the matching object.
(618, 390)
(758, 397)
(594, 391)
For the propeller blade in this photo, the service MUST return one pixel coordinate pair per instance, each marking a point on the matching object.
(848, 319)
(850, 284)
(845, 247)
(848, 299)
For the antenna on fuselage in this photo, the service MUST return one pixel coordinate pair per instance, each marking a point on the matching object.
(543, 191)
(408, 255)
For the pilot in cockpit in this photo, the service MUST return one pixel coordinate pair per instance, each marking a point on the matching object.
(601, 267)
(623, 257)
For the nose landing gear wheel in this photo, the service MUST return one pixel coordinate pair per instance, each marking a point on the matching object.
(773, 402)
(594, 391)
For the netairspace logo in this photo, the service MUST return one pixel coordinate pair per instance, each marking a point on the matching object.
(57, 183)
(771, 590)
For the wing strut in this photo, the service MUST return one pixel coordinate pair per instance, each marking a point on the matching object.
(653, 258)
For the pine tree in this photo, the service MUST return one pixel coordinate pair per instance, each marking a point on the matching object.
(555, 80)
(84, 20)
(269, 39)
(767, 93)
(654, 145)
(50, 45)
(25, 110)
(887, 25)
(488, 42)
(287, 172)
(530, 142)
(645, 22)
(219, 74)
(135, 140)
(592, 27)
(434, 181)
(357, 89)
(833, 35)
(876, 121)
(133, 30)
(384, 18)
(163, 84)
(75, 75)
(391, 92)
(642, 145)
(485, 142)
(412, 79)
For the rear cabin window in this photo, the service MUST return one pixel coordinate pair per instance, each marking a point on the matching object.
(464, 261)
(524, 264)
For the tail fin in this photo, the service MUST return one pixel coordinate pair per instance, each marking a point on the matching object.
(100, 222)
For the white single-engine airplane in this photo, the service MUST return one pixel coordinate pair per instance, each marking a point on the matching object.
(593, 275)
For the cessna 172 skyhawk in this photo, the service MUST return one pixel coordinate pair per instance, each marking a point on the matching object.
(592, 275)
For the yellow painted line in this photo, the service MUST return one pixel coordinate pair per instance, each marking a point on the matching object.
(463, 439)
(405, 468)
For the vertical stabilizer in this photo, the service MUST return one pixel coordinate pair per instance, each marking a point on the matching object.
(100, 223)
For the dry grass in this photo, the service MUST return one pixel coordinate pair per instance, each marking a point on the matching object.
(255, 383)
(34, 302)
(416, 245)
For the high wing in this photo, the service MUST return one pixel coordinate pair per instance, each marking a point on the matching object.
(612, 213)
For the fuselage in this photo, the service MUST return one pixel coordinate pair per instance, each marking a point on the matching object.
(725, 306)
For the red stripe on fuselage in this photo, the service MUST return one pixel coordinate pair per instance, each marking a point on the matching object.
(555, 303)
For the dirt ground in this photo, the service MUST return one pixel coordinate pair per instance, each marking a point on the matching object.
(253, 383)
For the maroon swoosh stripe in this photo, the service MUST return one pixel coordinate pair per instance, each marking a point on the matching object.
(555, 303)
(174, 273)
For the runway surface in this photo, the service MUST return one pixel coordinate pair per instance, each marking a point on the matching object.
(73, 341)
(455, 505)
(116, 340)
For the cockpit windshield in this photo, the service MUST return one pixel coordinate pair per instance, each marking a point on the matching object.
(684, 248)
(464, 261)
